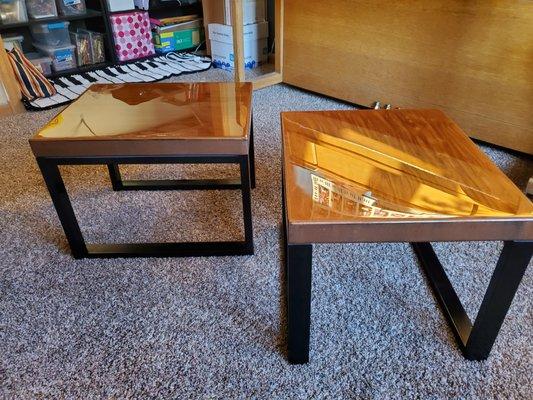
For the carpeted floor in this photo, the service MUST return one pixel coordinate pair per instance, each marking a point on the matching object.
(214, 327)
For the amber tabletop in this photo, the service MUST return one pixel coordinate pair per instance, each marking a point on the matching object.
(152, 118)
(394, 175)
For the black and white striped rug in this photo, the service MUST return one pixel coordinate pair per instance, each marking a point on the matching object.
(69, 87)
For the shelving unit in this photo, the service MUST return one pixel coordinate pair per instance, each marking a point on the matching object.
(96, 19)
(87, 15)
(162, 11)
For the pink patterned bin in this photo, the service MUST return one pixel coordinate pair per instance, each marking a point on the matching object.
(131, 31)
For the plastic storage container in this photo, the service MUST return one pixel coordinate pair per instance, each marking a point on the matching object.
(71, 7)
(13, 11)
(43, 63)
(52, 34)
(12, 41)
(41, 8)
(97, 45)
(63, 57)
(82, 40)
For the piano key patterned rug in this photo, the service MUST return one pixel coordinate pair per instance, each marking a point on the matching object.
(69, 87)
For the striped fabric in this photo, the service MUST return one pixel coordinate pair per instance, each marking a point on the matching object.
(33, 84)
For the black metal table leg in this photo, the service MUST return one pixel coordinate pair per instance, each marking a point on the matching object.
(61, 201)
(247, 203)
(298, 260)
(114, 175)
(52, 177)
(298, 264)
(169, 184)
(509, 271)
(251, 153)
(476, 340)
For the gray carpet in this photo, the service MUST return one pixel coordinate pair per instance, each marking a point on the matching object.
(214, 327)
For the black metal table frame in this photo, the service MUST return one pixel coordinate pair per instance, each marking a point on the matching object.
(50, 170)
(475, 340)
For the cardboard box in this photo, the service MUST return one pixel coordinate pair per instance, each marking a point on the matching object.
(181, 36)
(254, 11)
(255, 45)
(120, 5)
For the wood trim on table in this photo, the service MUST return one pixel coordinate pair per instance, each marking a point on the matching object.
(445, 230)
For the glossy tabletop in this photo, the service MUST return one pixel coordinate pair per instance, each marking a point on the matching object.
(150, 119)
(394, 175)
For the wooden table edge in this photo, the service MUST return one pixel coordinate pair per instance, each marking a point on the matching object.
(441, 230)
(117, 147)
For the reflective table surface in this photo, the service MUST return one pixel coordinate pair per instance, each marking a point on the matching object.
(390, 165)
(152, 112)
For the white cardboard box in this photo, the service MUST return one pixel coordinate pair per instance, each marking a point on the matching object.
(254, 11)
(255, 45)
(120, 5)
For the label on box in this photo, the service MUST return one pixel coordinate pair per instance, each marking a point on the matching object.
(63, 55)
(224, 33)
(255, 53)
(177, 40)
(56, 25)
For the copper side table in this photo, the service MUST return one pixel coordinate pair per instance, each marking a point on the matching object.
(156, 123)
(398, 176)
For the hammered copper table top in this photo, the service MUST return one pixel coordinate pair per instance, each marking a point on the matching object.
(151, 119)
(394, 175)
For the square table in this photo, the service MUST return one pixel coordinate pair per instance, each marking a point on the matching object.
(155, 123)
(398, 176)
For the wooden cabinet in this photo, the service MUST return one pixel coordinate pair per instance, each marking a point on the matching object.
(472, 59)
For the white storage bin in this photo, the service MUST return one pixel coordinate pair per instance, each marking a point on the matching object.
(63, 57)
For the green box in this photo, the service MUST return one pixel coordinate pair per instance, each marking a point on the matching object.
(177, 40)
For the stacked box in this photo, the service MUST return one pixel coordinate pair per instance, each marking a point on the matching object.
(176, 37)
(255, 45)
